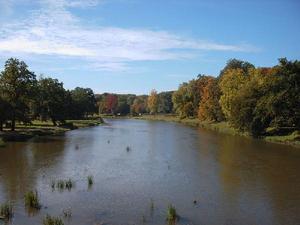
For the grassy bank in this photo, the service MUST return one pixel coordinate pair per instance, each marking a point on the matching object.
(44, 128)
(224, 127)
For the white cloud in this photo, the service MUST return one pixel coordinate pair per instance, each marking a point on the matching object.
(54, 30)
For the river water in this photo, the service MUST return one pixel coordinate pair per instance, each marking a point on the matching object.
(234, 180)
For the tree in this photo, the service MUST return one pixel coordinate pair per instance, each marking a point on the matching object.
(111, 103)
(52, 100)
(83, 101)
(165, 104)
(4, 111)
(209, 107)
(153, 102)
(236, 64)
(18, 85)
(231, 84)
(139, 105)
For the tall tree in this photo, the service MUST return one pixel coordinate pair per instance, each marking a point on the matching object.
(18, 84)
(153, 102)
(209, 107)
(52, 100)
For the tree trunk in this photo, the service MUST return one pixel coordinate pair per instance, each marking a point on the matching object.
(13, 121)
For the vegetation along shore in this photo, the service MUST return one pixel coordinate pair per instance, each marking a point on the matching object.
(262, 102)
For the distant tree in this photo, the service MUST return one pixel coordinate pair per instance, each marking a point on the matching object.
(165, 104)
(139, 105)
(84, 102)
(111, 103)
(123, 107)
(153, 102)
(209, 107)
(18, 85)
(52, 100)
(183, 101)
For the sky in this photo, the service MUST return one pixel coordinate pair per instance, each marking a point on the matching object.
(134, 46)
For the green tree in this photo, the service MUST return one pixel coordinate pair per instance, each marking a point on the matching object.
(18, 85)
(52, 100)
(83, 101)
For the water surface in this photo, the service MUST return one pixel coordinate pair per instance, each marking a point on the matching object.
(235, 180)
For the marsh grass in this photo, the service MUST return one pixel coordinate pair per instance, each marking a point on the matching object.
(171, 214)
(69, 184)
(90, 180)
(2, 143)
(67, 213)
(49, 220)
(6, 211)
(63, 184)
(32, 200)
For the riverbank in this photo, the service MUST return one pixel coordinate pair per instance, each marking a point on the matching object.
(44, 128)
(224, 127)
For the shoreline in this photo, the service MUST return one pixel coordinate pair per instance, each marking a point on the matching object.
(221, 127)
(39, 129)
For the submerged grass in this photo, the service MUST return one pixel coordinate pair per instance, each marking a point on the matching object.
(32, 200)
(171, 214)
(90, 180)
(49, 220)
(63, 184)
(6, 211)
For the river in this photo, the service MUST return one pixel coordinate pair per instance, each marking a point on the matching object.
(234, 180)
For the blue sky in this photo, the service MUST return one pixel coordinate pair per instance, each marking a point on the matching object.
(133, 46)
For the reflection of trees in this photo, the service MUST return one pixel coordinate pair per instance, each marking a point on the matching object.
(21, 163)
(263, 177)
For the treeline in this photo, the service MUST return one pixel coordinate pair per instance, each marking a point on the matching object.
(251, 99)
(129, 104)
(23, 97)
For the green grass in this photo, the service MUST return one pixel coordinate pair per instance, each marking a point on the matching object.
(171, 214)
(6, 211)
(49, 220)
(2, 143)
(293, 138)
(90, 181)
(32, 200)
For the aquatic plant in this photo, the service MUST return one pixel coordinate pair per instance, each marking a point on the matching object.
(2, 143)
(67, 213)
(90, 180)
(6, 211)
(171, 213)
(49, 220)
(60, 184)
(32, 200)
(151, 205)
(69, 184)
